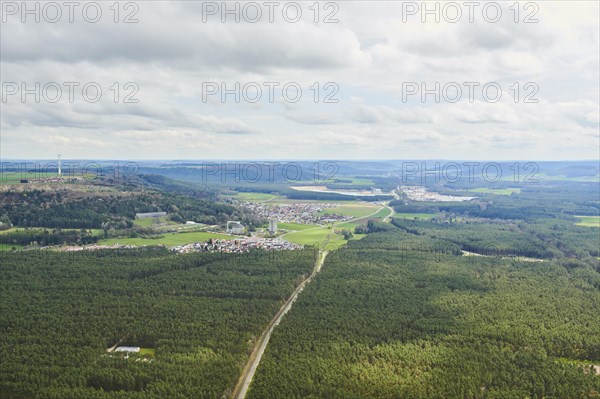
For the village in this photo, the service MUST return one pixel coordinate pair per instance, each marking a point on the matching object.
(241, 245)
(302, 213)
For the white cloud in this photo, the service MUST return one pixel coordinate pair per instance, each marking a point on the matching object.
(369, 54)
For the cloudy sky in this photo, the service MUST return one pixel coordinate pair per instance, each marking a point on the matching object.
(369, 74)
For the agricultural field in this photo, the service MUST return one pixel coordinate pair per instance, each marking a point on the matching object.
(8, 247)
(314, 236)
(9, 178)
(321, 235)
(357, 210)
(382, 213)
(589, 221)
(95, 232)
(283, 200)
(255, 197)
(167, 239)
(149, 222)
(497, 191)
(354, 181)
(420, 216)
(296, 226)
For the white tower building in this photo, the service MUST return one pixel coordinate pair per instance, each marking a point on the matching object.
(272, 226)
(59, 166)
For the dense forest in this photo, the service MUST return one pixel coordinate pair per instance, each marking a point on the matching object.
(548, 201)
(198, 313)
(401, 314)
(45, 237)
(495, 298)
(78, 209)
(542, 239)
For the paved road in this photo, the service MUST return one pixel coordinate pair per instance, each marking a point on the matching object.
(250, 368)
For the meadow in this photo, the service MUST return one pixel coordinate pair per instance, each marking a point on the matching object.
(589, 221)
(255, 197)
(357, 210)
(497, 191)
(167, 239)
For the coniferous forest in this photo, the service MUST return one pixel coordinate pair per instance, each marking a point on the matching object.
(401, 315)
(194, 315)
(439, 301)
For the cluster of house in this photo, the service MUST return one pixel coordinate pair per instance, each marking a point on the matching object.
(237, 246)
(303, 213)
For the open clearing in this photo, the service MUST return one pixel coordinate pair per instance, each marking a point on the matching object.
(8, 247)
(296, 226)
(255, 197)
(148, 222)
(357, 210)
(322, 234)
(319, 236)
(497, 191)
(589, 221)
(382, 213)
(147, 351)
(419, 216)
(168, 239)
(313, 236)
(95, 232)
(285, 200)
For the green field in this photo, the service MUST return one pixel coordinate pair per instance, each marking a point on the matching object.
(296, 226)
(382, 213)
(349, 225)
(283, 200)
(314, 236)
(497, 191)
(8, 247)
(355, 210)
(545, 177)
(167, 239)
(8, 178)
(147, 222)
(95, 232)
(15, 178)
(147, 351)
(589, 221)
(321, 235)
(255, 197)
(420, 216)
(353, 182)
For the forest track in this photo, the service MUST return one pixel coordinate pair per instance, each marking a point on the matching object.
(241, 388)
